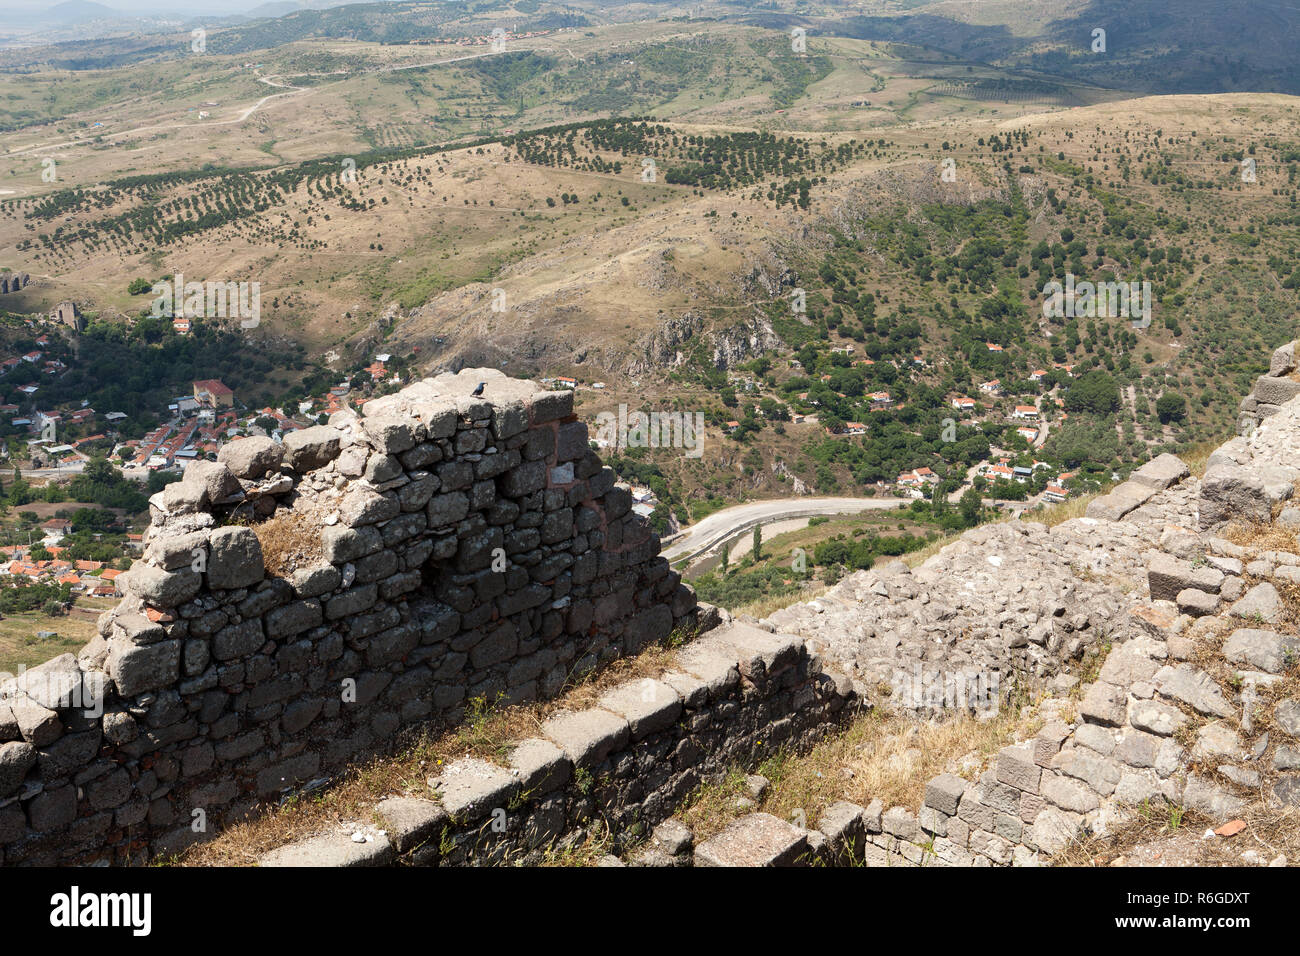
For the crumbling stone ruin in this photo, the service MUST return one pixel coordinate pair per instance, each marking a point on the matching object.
(1152, 641)
(1272, 390)
(443, 547)
(627, 762)
(13, 281)
(1191, 705)
(67, 313)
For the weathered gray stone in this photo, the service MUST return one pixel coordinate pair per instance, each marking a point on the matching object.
(1104, 704)
(411, 822)
(1243, 492)
(1286, 714)
(673, 837)
(212, 481)
(389, 435)
(1261, 605)
(235, 559)
(470, 789)
(648, 706)
(1282, 361)
(756, 839)
(1194, 687)
(540, 766)
(1156, 718)
(1200, 794)
(54, 685)
(1055, 829)
(1161, 472)
(135, 670)
(311, 448)
(251, 457)
(1265, 650)
(364, 506)
(162, 589)
(1275, 391)
(173, 551)
(16, 758)
(332, 849)
(1167, 576)
(587, 737)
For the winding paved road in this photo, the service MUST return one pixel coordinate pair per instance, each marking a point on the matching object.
(717, 527)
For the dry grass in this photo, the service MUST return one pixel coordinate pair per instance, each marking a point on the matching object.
(20, 647)
(598, 843)
(916, 558)
(1074, 508)
(1165, 835)
(1153, 823)
(879, 756)
(1197, 457)
(764, 606)
(486, 732)
(1258, 537)
(290, 540)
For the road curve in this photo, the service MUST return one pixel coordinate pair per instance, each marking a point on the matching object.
(720, 525)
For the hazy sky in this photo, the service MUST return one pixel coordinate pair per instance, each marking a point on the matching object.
(180, 8)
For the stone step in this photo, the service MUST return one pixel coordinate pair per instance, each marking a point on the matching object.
(756, 839)
(333, 849)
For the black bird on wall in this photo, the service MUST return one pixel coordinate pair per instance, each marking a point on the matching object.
(478, 391)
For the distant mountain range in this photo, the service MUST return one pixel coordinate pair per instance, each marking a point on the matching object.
(80, 11)
(89, 20)
(1150, 46)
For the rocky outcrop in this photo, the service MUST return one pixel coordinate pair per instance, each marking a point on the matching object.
(672, 343)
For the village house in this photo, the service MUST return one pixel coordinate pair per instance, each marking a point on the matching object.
(1027, 413)
(963, 404)
(213, 393)
(55, 529)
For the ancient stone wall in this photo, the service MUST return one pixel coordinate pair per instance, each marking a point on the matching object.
(13, 281)
(1272, 390)
(443, 547)
(735, 695)
(1193, 706)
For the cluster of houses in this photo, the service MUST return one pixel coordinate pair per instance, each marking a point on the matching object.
(1054, 493)
(196, 424)
(916, 481)
(92, 578)
(644, 501)
(35, 357)
(1021, 413)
